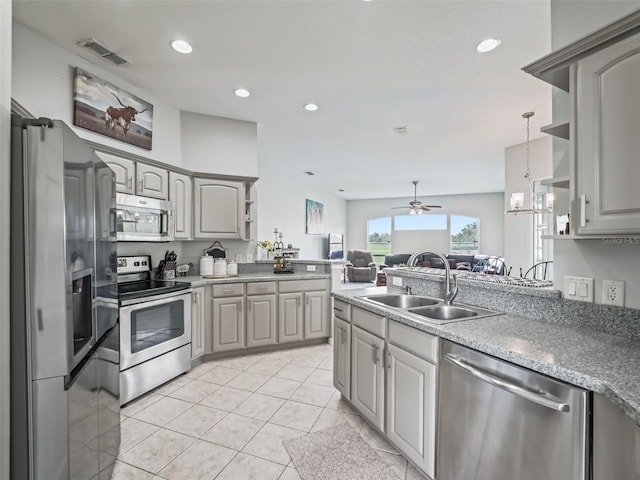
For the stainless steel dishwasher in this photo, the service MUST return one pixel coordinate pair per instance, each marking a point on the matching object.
(497, 421)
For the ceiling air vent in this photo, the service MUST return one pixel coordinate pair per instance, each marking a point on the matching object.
(400, 130)
(102, 50)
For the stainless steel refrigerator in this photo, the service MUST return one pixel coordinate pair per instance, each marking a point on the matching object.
(64, 307)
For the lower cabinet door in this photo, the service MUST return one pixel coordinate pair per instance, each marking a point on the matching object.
(315, 314)
(367, 376)
(290, 313)
(261, 320)
(228, 324)
(197, 322)
(342, 357)
(411, 407)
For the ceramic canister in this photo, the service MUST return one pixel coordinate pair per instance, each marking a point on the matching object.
(220, 266)
(206, 265)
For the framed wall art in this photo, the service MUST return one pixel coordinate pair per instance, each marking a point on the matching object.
(103, 108)
(315, 212)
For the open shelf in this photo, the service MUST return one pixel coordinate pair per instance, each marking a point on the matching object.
(560, 130)
(558, 182)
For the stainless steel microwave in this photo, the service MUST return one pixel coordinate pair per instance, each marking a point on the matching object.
(143, 219)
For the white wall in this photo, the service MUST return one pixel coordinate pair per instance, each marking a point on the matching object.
(591, 258)
(42, 82)
(221, 145)
(282, 204)
(5, 127)
(518, 229)
(488, 207)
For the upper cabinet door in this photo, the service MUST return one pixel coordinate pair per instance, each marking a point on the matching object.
(608, 140)
(218, 208)
(125, 171)
(152, 181)
(181, 193)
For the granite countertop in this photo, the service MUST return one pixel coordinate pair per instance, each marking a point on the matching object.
(599, 362)
(198, 281)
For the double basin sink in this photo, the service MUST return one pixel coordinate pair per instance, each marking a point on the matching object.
(428, 308)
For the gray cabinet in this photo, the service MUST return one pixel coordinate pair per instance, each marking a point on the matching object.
(411, 407)
(125, 172)
(315, 314)
(218, 208)
(228, 324)
(197, 322)
(367, 376)
(290, 317)
(152, 181)
(261, 320)
(342, 357)
(607, 140)
(181, 193)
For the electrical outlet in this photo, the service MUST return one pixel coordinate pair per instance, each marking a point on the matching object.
(613, 292)
(578, 288)
(249, 258)
(397, 281)
(311, 268)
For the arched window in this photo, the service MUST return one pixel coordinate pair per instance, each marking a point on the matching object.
(465, 234)
(379, 238)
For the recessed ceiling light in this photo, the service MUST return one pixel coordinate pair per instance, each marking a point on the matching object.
(488, 45)
(311, 107)
(342, 189)
(242, 92)
(181, 46)
(310, 173)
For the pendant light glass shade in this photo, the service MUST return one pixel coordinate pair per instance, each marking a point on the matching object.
(517, 200)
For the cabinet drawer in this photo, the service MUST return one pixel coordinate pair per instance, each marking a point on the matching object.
(228, 290)
(303, 285)
(368, 321)
(342, 310)
(412, 340)
(261, 288)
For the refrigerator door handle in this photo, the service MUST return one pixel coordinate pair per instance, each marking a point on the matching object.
(39, 315)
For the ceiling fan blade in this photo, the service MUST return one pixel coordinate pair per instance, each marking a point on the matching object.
(395, 208)
(432, 206)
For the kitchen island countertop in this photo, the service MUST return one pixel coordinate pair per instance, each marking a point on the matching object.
(595, 361)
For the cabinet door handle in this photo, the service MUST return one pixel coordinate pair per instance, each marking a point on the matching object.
(140, 185)
(307, 298)
(336, 309)
(249, 306)
(583, 210)
(130, 183)
(298, 301)
(376, 354)
(388, 360)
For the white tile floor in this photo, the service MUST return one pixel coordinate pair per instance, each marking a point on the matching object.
(227, 419)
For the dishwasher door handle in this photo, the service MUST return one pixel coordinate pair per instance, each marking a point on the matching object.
(541, 398)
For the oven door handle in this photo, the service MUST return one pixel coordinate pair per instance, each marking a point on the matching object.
(157, 299)
(539, 397)
(164, 222)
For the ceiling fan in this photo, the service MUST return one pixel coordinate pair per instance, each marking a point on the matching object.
(415, 206)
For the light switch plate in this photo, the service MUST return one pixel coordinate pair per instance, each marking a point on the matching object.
(249, 258)
(578, 288)
(311, 268)
(397, 281)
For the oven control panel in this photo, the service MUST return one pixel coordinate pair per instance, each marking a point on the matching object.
(137, 264)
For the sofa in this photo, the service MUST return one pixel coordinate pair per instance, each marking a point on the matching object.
(360, 266)
(472, 263)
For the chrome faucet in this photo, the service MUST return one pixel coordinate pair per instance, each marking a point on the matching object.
(407, 290)
(450, 291)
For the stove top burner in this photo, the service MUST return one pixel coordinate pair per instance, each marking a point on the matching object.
(147, 288)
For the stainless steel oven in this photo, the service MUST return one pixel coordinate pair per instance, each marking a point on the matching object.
(155, 328)
(143, 219)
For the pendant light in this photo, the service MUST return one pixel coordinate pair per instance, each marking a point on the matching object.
(518, 198)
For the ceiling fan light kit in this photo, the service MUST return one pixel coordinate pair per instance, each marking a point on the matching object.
(517, 199)
(415, 206)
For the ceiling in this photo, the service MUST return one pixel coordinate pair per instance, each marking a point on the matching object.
(370, 66)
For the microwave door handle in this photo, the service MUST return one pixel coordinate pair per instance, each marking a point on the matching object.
(164, 223)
